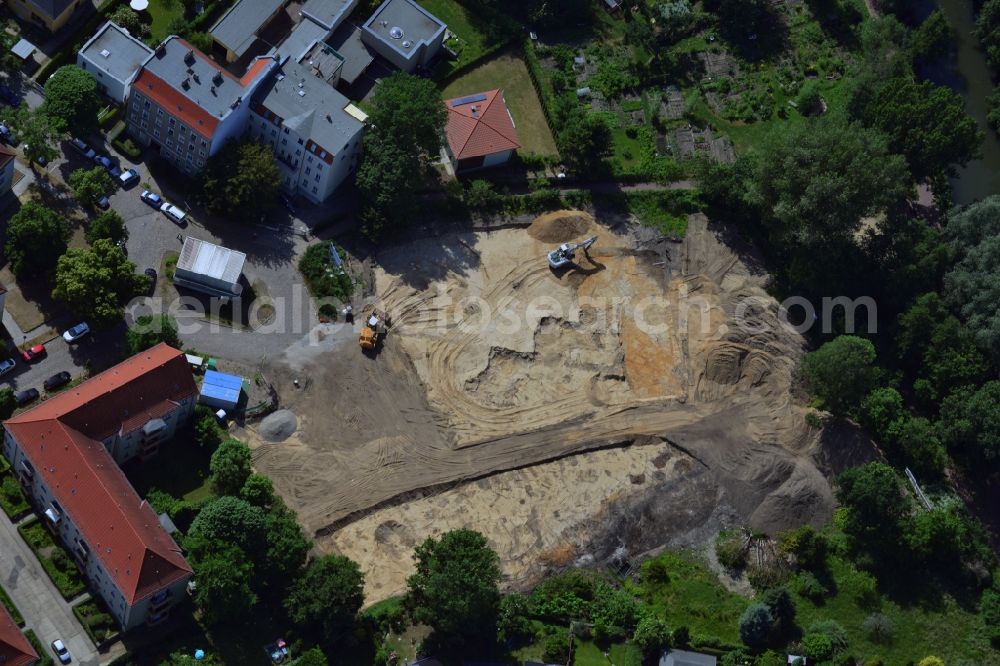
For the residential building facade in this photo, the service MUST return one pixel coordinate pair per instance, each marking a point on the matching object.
(314, 130)
(186, 106)
(7, 162)
(48, 14)
(113, 57)
(66, 454)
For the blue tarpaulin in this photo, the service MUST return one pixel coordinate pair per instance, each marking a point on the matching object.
(221, 390)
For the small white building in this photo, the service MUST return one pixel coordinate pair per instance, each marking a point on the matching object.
(113, 57)
(404, 33)
(209, 268)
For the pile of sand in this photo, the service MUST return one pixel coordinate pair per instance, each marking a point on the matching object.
(560, 227)
(279, 426)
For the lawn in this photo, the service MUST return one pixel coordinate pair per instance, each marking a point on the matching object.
(476, 34)
(163, 12)
(510, 73)
(12, 500)
(180, 470)
(588, 654)
(58, 563)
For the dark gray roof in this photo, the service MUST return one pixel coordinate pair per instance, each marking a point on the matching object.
(237, 29)
(323, 61)
(116, 52)
(328, 13)
(310, 106)
(207, 86)
(684, 658)
(300, 40)
(52, 8)
(347, 41)
(399, 23)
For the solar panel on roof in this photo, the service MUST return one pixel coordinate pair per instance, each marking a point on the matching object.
(471, 99)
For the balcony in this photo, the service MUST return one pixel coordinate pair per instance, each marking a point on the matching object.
(160, 601)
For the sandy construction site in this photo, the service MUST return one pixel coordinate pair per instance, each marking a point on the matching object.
(640, 399)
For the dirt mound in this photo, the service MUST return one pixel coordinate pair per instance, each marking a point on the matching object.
(561, 226)
(279, 426)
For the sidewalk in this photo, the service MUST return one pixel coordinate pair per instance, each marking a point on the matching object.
(42, 606)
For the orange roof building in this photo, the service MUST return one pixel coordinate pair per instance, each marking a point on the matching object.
(480, 131)
(66, 453)
(15, 650)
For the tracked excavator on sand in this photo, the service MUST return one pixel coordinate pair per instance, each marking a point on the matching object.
(562, 256)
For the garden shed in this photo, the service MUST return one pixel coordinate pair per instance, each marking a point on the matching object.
(220, 390)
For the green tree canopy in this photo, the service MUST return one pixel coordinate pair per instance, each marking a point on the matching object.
(129, 19)
(258, 490)
(925, 123)
(409, 111)
(242, 178)
(842, 372)
(229, 520)
(108, 224)
(150, 330)
(230, 467)
(969, 425)
(71, 100)
(327, 597)
(223, 577)
(883, 412)
(755, 625)
(875, 505)
(89, 185)
(388, 178)
(816, 180)
(35, 130)
(286, 547)
(7, 402)
(454, 589)
(96, 283)
(36, 238)
(973, 285)
(584, 140)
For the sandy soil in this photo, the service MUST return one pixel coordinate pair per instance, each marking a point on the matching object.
(538, 387)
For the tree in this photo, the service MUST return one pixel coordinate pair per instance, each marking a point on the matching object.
(148, 331)
(973, 285)
(387, 178)
(408, 110)
(242, 178)
(223, 577)
(920, 447)
(127, 18)
(36, 130)
(943, 535)
(931, 661)
(969, 425)
(258, 490)
(817, 646)
(71, 100)
(779, 603)
(875, 505)
(932, 39)
(7, 403)
(181, 658)
(287, 547)
(95, 283)
(584, 140)
(311, 657)
(742, 21)
(454, 589)
(989, 613)
(883, 413)
(816, 180)
(651, 635)
(89, 185)
(755, 625)
(207, 433)
(228, 520)
(36, 238)
(514, 623)
(327, 596)
(842, 372)
(230, 467)
(558, 647)
(108, 224)
(925, 122)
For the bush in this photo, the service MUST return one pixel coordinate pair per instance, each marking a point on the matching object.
(832, 630)
(755, 625)
(323, 280)
(810, 587)
(989, 613)
(878, 627)
(807, 545)
(817, 646)
(729, 549)
(557, 647)
(651, 635)
(655, 571)
(127, 148)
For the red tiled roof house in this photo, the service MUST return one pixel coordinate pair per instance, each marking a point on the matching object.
(66, 453)
(480, 131)
(15, 650)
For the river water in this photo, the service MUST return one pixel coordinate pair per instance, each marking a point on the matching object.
(971, 78)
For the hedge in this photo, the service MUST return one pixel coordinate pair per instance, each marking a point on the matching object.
(44, 658)
(8, 603)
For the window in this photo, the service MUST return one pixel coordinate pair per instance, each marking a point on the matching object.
(284, 142)
(297, 151)
(285, 130)
(156, 133)
(146, 104)
(169, 143)
(300, 142)
(159, 112)
(319, 167)
(204, 144)
(309, 158)
(317, 178)
(305, 181)
(201, 152)
(314, 190)
(170, 132)
(145, 114)
(143, 124)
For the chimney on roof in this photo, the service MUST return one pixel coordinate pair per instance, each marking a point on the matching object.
(217, 79)
(329, 118)
(189, 57)
(186, 83)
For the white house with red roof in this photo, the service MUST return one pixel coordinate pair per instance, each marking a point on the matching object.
(66, 453)
(480, 131)
(15, 650)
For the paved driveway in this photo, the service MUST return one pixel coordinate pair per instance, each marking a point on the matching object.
(42, 606)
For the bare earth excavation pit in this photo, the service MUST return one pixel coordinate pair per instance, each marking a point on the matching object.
(566, 415)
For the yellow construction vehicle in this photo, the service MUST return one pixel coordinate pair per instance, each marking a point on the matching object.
(373, 330)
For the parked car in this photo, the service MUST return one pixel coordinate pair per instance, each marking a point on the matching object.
(57, 645)
(74, 333)
(127, 177)
(6, 134)
(57, 380)
(151, 274)
(173, 212)
(6, 366)
(152, 198)
(85, 150)
(103, 203)
(107, 163)
(23, 398)
(36, 353)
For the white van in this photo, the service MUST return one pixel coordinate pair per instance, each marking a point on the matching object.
(173, 212)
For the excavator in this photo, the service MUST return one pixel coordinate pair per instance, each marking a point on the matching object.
(563, 255)
(374, 329)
